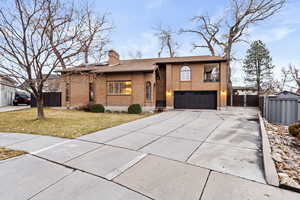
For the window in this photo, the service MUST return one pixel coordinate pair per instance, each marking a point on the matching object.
(211, 73)
(119, 88)
(67, 92)
(185, 73)
(91, 92)
(148, 91)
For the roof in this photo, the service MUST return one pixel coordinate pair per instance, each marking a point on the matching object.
(140, 65)
(286, 94)
(244, 88)
(191, 59)
(128, 66)
(7, 78)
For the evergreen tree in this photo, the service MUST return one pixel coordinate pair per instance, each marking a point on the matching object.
(258, 65)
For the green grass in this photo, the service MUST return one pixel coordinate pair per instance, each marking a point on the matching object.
(61, 123)
(9, 153)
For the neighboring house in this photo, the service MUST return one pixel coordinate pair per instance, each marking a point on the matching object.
(197, 82)
(52, 84)
(7, 93)
(244, 90)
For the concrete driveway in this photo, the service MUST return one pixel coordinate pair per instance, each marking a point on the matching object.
(176, 155)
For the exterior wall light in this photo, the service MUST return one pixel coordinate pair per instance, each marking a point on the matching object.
(223, 93)
(168, 93)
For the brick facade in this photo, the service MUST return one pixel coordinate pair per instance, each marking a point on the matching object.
(164, 79)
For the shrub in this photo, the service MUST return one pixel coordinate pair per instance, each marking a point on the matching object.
(294, 129)
(97, 108)
(134, 109)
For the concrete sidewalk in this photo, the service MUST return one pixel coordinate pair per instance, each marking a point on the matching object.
(12, 108)
(207, 155)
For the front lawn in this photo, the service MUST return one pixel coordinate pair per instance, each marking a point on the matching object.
(61, 123)
(9, 153)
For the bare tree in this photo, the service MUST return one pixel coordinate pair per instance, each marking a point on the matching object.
(271, 86)
(293, 76)
(284, 79)
(231, 28)
(86, 35)
(36, 37)
(166, 39)
(207, 30)
(135, 55)
(97, 34)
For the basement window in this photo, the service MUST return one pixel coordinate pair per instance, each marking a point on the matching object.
(119, 88)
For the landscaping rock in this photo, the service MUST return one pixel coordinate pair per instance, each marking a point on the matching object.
(285, 153)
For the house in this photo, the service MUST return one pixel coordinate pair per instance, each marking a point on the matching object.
(244, 90)
(197, 82)
(7, 93)
(52, 84)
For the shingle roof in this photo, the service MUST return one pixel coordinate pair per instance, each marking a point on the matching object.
(140, 65)
(191, 59)
(128, 66)
(244, 88)
(6, 77)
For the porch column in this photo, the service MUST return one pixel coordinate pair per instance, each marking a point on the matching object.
(169, 88)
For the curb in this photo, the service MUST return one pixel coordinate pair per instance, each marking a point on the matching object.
(269, 166)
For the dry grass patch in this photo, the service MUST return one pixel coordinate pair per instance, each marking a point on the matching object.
(9, 153)
(61, 123)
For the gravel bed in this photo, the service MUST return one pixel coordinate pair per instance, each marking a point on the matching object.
(285, 153)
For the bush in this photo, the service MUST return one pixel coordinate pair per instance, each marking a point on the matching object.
(294, 129)
(134, 109)
(97, 108)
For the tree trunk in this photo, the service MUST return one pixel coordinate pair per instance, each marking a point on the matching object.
(40, 107)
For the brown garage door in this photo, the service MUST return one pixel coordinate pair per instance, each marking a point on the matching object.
(195, 99)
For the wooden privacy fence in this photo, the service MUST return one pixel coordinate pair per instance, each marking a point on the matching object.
(243, 100)
(283, 111)
(51, 99)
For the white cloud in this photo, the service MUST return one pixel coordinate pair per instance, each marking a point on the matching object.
(154, 3)
(270, 35)
(145, 42)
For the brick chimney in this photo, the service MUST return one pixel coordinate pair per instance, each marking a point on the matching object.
(113, 58)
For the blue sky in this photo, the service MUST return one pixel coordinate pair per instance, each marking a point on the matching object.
(134, 21)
